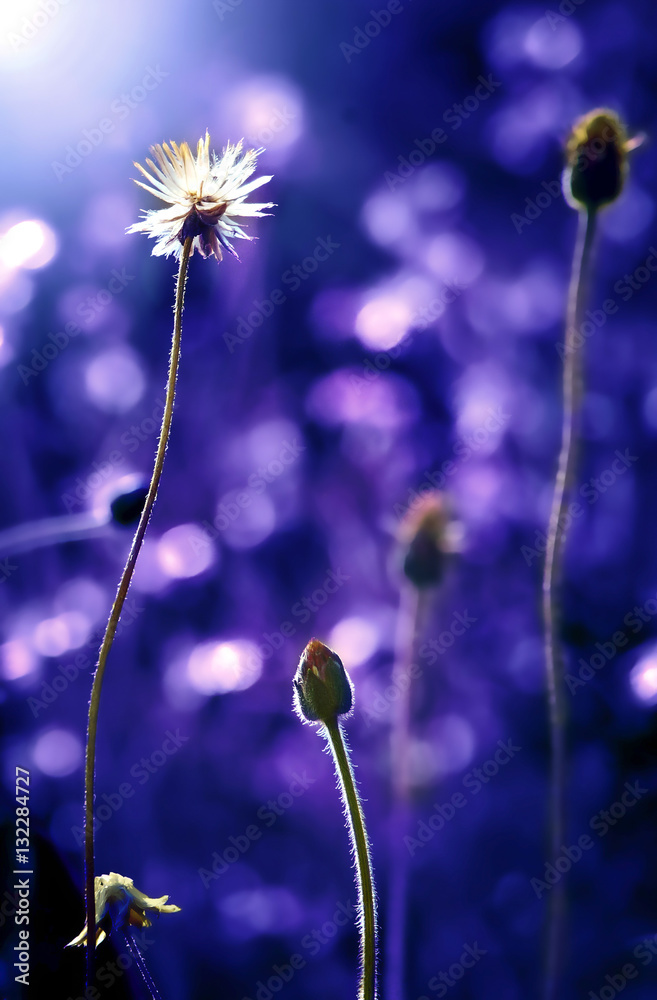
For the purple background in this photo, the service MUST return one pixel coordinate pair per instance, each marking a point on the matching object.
(345, 431)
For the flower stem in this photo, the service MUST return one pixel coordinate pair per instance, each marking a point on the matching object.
(572, 393)
(360, 846)
(136, 954)
(115, 614)
(408, 620)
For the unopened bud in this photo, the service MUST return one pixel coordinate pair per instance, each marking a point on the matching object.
(596, 159)
(424, 536)
(126, 508)
(322, 688)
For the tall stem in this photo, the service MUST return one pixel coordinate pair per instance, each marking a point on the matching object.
(360, 845)
(115, 614)
(408, 618)
(572, 392)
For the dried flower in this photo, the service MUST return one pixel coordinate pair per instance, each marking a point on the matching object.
(322, 688)
(206, 194)
(118, 900)
(596, 159)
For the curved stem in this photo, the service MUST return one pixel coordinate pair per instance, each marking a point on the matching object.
(408, 620)
(94, 703)
(360, 845)
(572, 392)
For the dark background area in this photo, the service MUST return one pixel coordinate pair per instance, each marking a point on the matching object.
(347, 394)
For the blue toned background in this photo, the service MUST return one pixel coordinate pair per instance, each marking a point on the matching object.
(400, 310)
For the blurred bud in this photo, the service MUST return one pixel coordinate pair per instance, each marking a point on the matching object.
(126, 507)
(322, 688)
(596, 159)
(426, 539)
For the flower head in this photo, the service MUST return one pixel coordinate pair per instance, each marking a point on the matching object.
(206, 195)
(596, 159)
(428, 536)
(117, 900)
(321, 686)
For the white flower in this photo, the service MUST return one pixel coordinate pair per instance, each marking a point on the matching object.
(206, 194)
(117, 898)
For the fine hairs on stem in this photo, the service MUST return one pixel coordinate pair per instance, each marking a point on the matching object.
(572, 393)
(322, 693)
(133, 949)
(115, 614)
(361, 850)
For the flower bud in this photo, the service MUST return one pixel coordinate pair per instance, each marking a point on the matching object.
(424, 536)
(126, 507)
(596, 160)
(322, 688)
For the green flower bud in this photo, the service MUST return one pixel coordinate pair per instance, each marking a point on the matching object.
(322, 688)
(596, 159)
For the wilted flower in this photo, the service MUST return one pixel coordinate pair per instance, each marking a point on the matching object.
(596, 159)
(322, 688)
(117, 900)
(206, 194)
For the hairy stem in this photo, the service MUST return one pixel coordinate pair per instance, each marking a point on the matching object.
(115, 614)
(360, 845)
(408, 620)
(572, 392)
(138, 958)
